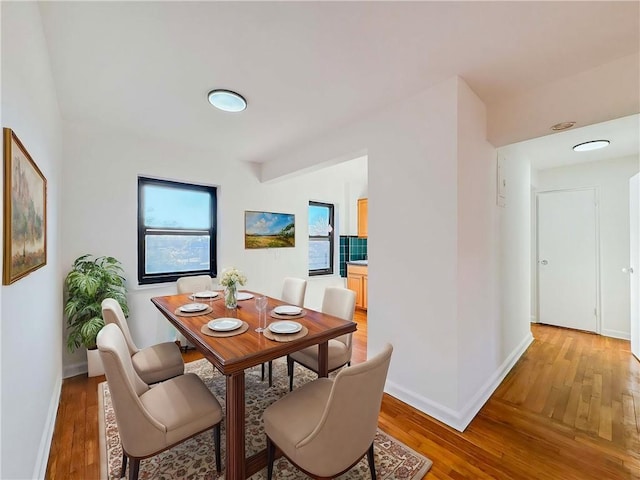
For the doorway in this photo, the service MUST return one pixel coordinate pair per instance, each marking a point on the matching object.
(567, 259)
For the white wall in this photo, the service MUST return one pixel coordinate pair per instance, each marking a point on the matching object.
(478, 260)
(100, 214)
(611, 178)
(426, 269)
(31, 330)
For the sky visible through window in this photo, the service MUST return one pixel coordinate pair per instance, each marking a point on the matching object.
(319, 249)
(176, 208)
(318, 220)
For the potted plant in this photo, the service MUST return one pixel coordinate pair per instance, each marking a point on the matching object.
(90, 281)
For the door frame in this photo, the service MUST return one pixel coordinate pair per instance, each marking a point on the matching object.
(596, 194)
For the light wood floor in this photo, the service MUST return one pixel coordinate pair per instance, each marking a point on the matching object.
(569, 409)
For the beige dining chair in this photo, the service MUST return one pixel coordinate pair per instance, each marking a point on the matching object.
(326, 426)
(153, 419)
(293, 292)
(192, 284)
(153, 364)
(339, 302)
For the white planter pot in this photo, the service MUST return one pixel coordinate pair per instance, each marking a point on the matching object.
(94, 363)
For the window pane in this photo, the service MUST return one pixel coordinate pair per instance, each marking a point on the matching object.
(176, 253)
(170, 207)
(319, 221)
(319, 254)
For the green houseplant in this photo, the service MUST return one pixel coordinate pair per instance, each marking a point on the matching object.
(91, 280)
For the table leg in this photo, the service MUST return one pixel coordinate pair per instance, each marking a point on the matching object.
(323, 359)
(235, 461)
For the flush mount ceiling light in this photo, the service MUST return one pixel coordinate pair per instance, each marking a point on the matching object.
(226, 100)
(591, 145)
(558, 127)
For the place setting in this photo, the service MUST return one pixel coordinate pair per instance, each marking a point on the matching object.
(193, 310)
(285, 330)
(224, 327)
(205, 295)
(287, 312)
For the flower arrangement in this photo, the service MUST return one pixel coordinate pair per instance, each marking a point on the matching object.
(232, 276)
(230, 279)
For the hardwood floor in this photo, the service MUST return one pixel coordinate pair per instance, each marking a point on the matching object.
(569, 409)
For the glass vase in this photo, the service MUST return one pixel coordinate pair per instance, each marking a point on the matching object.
(231, 296)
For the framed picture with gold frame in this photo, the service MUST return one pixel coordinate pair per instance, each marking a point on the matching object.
(25, 212)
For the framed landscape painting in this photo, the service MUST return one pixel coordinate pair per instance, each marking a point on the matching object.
(269, 230)
(25, 211)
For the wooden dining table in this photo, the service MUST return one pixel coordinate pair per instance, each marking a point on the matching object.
(233, 355)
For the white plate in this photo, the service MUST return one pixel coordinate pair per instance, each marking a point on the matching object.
(206, 294)
(244, 295)
(287, 310)
(224, 324)
(193, 307)
(285, 327)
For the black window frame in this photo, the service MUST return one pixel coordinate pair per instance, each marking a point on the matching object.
(151, 278)
(331, 236)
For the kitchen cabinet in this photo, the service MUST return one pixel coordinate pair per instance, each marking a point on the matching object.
(363, 211)
(357, 276)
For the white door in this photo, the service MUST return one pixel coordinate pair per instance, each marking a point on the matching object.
(634, 270)
(567, 259)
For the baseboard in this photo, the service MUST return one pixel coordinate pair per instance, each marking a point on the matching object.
(472, 407)
(616, 334)
(40, 468)
(461, 419)
(425, 405)
(75, 369)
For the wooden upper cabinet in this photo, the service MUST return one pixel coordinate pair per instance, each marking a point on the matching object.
(363, 209)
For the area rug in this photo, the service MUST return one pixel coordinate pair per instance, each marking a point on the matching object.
(194, 459)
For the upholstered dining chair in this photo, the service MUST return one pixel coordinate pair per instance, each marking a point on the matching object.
(293, 292)
(153, 364)
(192, 284)
(153, 419)
(339, 302)
(326, 426)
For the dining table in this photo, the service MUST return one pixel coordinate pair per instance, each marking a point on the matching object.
(232, 355)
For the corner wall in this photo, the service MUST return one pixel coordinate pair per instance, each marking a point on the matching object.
(31, 330)
(439, 298)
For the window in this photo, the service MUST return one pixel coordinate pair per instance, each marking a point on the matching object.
(320, 238)
(176, 230)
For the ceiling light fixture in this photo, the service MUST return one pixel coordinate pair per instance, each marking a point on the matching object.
(226, 100)
(591, 145)
(558, 127)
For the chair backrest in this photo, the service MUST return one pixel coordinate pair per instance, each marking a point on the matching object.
(195, 283)
(139, 432)
(112, 313)
(349, 422)
(340, 302)
(293, 290)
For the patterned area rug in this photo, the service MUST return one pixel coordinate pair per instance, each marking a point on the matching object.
(194, 459)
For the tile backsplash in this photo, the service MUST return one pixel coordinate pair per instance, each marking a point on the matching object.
(351, 248)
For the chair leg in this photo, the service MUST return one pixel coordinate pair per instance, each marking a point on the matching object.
(372, 465)
(134, 468)
(270, 373)
(216, 446)
(124, 464)
(271, 455)
(290, 371)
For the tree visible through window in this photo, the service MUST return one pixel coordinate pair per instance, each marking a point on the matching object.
(176, 230)
(320, 238)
